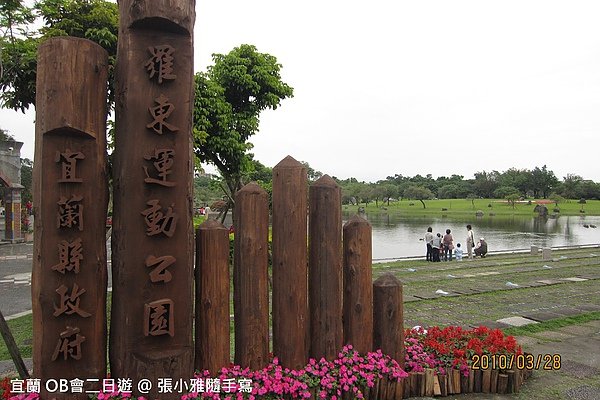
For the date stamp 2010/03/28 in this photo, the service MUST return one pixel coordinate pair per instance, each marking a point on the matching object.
(548, 362)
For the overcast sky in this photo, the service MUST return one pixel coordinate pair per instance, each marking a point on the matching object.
(399, 87)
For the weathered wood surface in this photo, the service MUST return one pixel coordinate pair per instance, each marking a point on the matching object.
(456, 381)
(388, 317)
(153, 238)
(212, 297)
(325, 269)
(486, 381)
(290, 282)
(70, 184)
(172, 15)
(358, 286)
(429, 382)
(250, 277)
(494, 381)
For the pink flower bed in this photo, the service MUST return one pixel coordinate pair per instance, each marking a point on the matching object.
(441, 349)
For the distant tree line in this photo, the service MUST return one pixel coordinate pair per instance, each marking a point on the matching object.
(511, 184)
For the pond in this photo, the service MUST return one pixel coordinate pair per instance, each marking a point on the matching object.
(396, 236)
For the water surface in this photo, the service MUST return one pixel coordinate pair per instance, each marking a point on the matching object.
(398, 236)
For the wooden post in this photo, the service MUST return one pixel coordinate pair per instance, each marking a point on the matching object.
(212, 297)
(414, 387)
(456, 381)
(502, 383)
(70, 187)
(486, 381)
(406, 386)
(450, 381)
(388, 317)
(471, 381)
(325, 268)
(494, 381)
(510, 386)
(400, 389)
(429, 374)
(153, 234)
(437, 390)
(477, 381)
(250, 277)
(13, 349)
(290, 281)
(464, 384)
(358, 287)
(516, 387)
(443, 385)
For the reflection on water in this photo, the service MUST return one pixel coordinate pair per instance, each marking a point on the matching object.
(395, 235)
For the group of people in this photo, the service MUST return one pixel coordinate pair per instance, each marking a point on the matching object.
(442, 247)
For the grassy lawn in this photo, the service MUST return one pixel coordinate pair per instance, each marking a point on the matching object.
(460, 207)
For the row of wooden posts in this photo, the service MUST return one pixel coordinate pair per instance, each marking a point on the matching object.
(322, 296)
(428, 383)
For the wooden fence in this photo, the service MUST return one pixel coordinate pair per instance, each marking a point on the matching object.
(323, 296)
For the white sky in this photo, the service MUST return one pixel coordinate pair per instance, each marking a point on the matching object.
(399, 87)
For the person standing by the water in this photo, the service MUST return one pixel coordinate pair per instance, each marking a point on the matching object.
(470, 241)
(448, 243)
(436, 245)
(428, 240)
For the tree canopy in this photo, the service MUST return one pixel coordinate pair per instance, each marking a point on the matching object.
(96, 20)
(229, 98)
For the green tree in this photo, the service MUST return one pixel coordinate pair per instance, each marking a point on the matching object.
(418, 193)
(570, 187)
(504, 191)
(448, 191)
(366, 193)
(543, 181)
(390, 191)
(229, 98)
(311, 173)
(512, 198)
(96, 20)
(486, 183)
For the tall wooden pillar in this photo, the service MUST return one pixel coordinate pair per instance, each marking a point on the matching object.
(152, 247)
(290, 283)
(358, 285)
(250, 277)
(70, 188)
(325, 268)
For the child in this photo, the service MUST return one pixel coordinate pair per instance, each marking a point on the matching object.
(458, 252)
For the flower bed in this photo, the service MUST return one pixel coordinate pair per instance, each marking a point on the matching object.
(452, 360)
(437, 362)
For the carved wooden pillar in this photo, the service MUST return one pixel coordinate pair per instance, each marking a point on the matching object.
(152, 247)
(70, 188)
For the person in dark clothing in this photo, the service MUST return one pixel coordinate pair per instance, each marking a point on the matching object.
(481, 249)
(428, 240)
